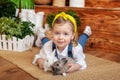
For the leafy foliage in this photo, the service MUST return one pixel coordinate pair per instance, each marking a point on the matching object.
(26, 29)
(50, 17)
(7, 8)
(74, 14)
(25, 4)
(10, 28)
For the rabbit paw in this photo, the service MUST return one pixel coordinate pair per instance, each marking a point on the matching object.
(45, 70)
(64, 74)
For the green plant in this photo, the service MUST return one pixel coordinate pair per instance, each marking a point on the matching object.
(74, 14)
(27, 29)
(50, 17)
(7, 8)
(25, 4)
(10, 28)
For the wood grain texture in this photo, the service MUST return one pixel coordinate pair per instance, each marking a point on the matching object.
(105, 24)
(8, 71)
(96, 3)
(103, 3)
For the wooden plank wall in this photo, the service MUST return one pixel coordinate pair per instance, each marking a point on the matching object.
(98, 3)
(105, 24)
(103, 3)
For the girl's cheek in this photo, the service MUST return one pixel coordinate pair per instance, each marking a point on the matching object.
(54, 38)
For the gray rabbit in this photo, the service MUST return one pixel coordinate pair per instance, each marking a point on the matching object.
(60, 67)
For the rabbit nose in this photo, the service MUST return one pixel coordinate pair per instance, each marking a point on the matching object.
(54, 71)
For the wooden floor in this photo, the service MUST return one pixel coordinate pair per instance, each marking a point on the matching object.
(109, 56)
(9, 71)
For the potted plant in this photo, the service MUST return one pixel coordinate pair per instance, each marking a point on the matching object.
(26, 10)
(15, 34)
(10, 28)
(77, 3)
(43, 2)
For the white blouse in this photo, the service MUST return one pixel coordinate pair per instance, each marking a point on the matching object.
(77, 52)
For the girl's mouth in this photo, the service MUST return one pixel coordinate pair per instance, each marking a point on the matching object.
(60, 42)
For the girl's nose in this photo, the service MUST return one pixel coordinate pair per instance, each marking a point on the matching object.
(61, 37)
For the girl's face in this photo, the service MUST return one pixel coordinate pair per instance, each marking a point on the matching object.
(62, 35)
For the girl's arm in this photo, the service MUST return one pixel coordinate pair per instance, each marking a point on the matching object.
(73, 67)
(42, 54)
(79, 56)
(38, 56)
(40, 62)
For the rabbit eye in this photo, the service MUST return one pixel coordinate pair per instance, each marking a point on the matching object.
(47, 60)
(57, 64)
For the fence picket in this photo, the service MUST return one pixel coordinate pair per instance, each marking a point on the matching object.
(16, 44)
(10, 44)
(4, 42)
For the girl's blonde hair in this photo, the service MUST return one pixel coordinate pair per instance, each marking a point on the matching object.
(66, 17)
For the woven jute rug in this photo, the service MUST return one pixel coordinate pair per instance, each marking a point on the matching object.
(98, 68)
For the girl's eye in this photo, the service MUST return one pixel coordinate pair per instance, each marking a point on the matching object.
(66, 34)
(57, 33)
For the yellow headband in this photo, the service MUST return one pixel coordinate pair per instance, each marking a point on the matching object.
(66, 16)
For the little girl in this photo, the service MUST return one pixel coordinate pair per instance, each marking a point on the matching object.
(64, 34)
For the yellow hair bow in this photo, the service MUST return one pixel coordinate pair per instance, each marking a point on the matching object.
(66, 16)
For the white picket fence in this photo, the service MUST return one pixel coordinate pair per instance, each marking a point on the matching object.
(16, 44)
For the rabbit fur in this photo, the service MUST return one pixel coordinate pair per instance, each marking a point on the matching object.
(48, 61)
(60, 67)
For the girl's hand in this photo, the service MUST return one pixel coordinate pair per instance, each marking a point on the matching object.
(73, 67)
(40, 63)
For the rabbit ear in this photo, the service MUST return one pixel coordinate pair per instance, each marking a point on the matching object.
(53, 53)
(64, 60)
(46, 53)
(45, 58)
